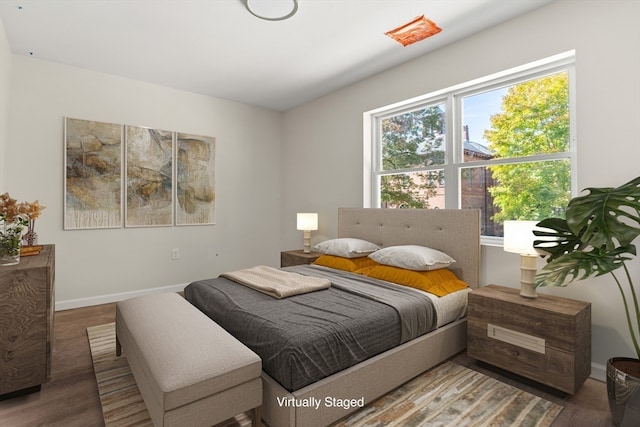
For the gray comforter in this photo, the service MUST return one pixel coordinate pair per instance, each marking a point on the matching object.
(304, 338)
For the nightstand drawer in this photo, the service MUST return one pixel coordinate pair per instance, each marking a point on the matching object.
(547, 339)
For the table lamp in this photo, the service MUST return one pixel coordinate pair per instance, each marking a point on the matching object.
(518, 238)
(307, 222)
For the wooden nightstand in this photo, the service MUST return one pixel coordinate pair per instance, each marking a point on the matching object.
(547, 339)
(297, 257)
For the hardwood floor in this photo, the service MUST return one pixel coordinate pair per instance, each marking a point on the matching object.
(70, 399)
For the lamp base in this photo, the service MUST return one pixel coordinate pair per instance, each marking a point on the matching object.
(528, 268)
(307, 242)
(528, 290)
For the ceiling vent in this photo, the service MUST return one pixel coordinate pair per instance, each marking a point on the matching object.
(418, 29)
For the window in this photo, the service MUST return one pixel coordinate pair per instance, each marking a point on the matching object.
(502, 144)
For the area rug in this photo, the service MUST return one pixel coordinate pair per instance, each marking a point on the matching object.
(448, 395)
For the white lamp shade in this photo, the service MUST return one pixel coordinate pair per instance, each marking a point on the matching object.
(307, 221)
(519, 237)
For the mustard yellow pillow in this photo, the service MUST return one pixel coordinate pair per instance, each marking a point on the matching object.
(346, 264)
(366, 269)
(438, 282)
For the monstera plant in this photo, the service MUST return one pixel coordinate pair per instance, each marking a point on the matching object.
(596, 238)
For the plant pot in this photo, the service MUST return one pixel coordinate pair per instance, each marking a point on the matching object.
(10, 238)
(7, 259)
(623, 391)
(9, 251)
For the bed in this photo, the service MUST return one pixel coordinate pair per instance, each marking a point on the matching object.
(298, 399)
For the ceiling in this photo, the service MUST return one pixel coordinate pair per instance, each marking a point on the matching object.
(217, 48)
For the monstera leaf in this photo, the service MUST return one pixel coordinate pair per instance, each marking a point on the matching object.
(594, 239)
(578, 265)
(596, 217)
(557, 239)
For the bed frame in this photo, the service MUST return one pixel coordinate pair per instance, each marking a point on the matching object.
(453, 231)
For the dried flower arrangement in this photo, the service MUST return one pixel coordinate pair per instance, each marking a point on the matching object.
(14, 217)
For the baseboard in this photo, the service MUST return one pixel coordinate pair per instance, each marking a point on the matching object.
(598, 372)
(105, 299)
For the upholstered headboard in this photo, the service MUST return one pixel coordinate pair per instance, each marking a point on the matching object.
(453, 231)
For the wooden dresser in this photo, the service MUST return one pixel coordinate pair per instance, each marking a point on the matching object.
(26, 322)
(547, 339)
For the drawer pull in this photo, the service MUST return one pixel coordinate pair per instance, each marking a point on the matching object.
(516, 338)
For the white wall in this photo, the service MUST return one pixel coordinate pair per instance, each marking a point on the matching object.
(5, 85)
(323, 139)
(91, 265)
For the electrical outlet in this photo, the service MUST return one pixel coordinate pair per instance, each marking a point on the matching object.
(175, 253)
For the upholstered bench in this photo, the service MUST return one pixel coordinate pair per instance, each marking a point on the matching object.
(189, 370)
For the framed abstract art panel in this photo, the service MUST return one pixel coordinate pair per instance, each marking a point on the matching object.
(93, 174)
(149, 177)
(195, 179)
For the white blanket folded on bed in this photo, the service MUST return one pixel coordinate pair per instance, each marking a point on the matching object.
(275, 282)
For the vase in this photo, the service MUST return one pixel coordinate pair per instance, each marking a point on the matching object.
(623, 391)
(10, 239)
(30, 238)
(9, 252)
(6, 259)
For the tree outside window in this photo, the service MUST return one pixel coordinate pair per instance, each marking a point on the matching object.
(534, 121)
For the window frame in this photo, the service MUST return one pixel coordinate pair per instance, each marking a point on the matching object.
(452, 98)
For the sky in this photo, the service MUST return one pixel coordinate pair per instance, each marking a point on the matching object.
(477, 111)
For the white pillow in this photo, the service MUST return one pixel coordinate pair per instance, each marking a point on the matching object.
(346, 247)
(412, 257)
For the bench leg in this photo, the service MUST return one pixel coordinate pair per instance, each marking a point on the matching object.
(256, 419)
(118, 347)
